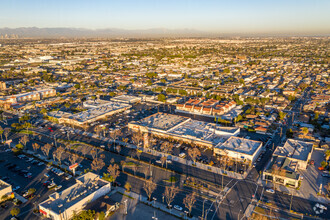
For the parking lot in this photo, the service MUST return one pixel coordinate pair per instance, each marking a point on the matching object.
(24, 173)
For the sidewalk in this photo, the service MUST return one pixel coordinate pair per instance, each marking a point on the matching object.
(294, 192)
(154, 204)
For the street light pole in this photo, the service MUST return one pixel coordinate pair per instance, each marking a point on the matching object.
(238, 214)
(203, 209)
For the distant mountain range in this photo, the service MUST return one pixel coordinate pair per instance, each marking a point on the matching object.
(34, 32)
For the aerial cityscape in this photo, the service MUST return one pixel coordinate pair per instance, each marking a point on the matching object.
(167, 115)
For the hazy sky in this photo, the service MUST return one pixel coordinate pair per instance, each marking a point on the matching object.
(229, 16)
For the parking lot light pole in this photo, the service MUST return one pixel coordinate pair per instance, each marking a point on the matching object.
(203, 209)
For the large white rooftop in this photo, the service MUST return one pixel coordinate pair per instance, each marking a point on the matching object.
(87, 184)
(240, 145)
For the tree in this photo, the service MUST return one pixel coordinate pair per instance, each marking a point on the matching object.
(194, 153)
(163, 160)
(31, 191)
(19, 147)
(327, 154)
(304, 130)
(24, 140)
(46, 148)
(281, 115)
(136, 138)
(149, 187)
(94, 153)
(4, 197)
(189, 201)
(118, 148)
(166, 147)
(58, 154)
(97, 164)
(6, 132)
(15, 211)
(1, 132)
(114, 135)
(73, 158)
(113, 170)
(128, 187)
(35, 146)
(169, 194)
(324, 164)
(161, 97)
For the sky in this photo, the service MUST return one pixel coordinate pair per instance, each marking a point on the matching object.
(229, 16)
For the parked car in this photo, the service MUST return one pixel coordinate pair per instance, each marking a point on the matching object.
(51, 185)
(270, 190)
(46, 175)
(179, 208)
(58, 187)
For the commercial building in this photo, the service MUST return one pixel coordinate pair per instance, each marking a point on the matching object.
(184, 129)
(286, 160)
(13, 100)
(5, 189)
(126, 99)
(240, 149)
(62, 205)
(97, 110)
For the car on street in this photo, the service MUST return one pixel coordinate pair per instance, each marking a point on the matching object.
(46, 175)
(158, 161)
(270, 190)
(58, 187)
(326, 175)
(179, 208)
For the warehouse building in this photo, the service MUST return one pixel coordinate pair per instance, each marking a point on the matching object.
(62, 205)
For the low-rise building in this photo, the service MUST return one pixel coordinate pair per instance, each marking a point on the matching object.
(184, 129)
(239, 149)
(62, 205)
(286, 160)
(5, 189)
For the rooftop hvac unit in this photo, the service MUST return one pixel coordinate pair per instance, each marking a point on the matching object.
(60, 205)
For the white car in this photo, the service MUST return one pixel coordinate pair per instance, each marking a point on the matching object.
(58, 187)
(179, 208)
(270, 190)
(158, 161)
(168, 161)
(51, 185)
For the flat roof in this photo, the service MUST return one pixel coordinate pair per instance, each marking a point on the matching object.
(86, 185)
(295, 149)
(125, 98)
(3, 185)
(95, 112)
(188, 128)
(240, 145)
(161, 121)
